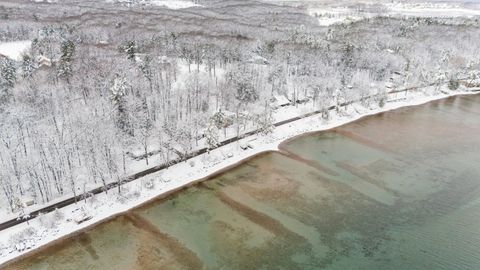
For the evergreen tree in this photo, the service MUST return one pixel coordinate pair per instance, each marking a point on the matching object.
(242, 79)
(65, 69)
(27, 67)
(118, 91)
(146, 69)
(130, 50)
(220, 120)
(453, 84)
(8, 77)
(143, 125)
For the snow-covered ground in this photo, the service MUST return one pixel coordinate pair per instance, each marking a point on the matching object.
(14, 49)
(174, 4)
(431, 9)
(328, 15)
(45, 1)
(42, 230)
(171, 4)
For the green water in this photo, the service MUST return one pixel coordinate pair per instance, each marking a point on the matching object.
(400, 190)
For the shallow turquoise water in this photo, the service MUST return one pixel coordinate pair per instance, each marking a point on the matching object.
(400, 190)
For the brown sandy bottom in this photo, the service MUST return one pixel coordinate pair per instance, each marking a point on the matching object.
(126, 242)
(414, 130)
(307, 213)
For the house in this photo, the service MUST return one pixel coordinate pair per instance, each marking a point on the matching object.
(27, 201)
(280, 101)
(396, 80)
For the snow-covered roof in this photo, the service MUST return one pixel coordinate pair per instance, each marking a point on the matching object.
(228, 113)
(43, 62)
(389, 85)
(257, 59)
(280, 100)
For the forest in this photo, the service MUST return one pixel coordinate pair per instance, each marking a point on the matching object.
(92, 101)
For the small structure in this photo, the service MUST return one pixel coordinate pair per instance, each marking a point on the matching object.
(243, 145)
(389, 85)
(257, 59)
(82, 216)
(103, 43)
(27, 201)
(397, 79)
(280, 101)
(43, 62)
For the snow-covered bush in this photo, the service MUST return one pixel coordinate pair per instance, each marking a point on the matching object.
(453, 84)
(148, 183)
(46, 221)
(21, 237)
(93, 201)
(128, 195)
(58, 215)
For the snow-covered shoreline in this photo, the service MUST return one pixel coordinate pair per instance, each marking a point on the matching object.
(330, 15)
(105, 207)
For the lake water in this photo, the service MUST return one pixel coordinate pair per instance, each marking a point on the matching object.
(399, 190)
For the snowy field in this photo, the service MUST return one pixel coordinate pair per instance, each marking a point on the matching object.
(171, 4)
(15, 49)
(431, 9)
(49, 227)
(338, 12)
(335, 15)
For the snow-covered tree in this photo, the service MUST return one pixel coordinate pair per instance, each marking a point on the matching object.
(8, 77)
(242, 80)
(221, 121)
(27, 67)
(264, 120)
(65, 65)
(146, 70)
(143, 125)
(130, 49)
(211, 136)
(118, 91)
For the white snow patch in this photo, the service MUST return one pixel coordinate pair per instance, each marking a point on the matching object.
(15, 49)
(431, 10)
(171, 4)
(332, 16)
(339, 15)
(45, 1)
